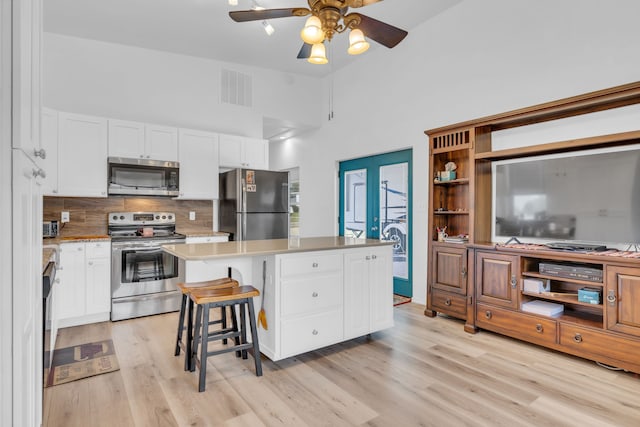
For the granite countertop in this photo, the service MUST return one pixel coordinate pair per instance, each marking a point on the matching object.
(75, 239)
(191, 233)
(205, 251)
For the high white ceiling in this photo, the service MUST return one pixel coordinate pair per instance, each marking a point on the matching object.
(203, 28)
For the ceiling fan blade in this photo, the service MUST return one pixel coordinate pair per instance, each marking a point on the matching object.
(259, 15)
(305, 51)
(360, 3)
(385, 34)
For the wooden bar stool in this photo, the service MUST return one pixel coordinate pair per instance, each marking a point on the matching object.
(206, 299)
(187, 288)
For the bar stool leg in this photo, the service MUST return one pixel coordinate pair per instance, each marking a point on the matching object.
(203, 348)
(254, 338)
(193, 349)
(181, 324)
(234, 327)
(243, 326)
(188, 361)
(223, 311)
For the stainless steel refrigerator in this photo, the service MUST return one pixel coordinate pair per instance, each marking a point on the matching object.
(254, 204)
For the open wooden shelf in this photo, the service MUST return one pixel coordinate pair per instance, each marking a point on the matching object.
(459, 181)
(565, 299)
(561, 279)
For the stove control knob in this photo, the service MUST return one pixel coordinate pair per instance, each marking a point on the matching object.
(170, 216)
(164, 217)
(115, 217)
(122, 217)
(157, 216)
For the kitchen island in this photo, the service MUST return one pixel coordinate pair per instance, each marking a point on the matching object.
(315, 291)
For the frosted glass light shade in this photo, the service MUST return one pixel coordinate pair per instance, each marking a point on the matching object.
(318, 54)
(357, 43)
(233, 2)
(312, 32)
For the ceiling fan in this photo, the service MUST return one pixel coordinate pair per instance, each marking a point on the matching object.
(329, 17)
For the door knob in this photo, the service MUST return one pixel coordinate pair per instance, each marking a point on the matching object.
(374, 228)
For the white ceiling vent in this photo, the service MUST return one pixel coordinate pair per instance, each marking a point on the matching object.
(236, 88)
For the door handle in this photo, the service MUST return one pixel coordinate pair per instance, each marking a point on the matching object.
(374, 228)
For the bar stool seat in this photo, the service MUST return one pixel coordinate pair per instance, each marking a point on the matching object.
(186, 289)
(206, 299)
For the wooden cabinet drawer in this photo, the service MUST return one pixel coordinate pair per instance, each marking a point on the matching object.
(313, 294)
(311, 332)
(534, 329)
(446, 302)
(587, 342)
(310, 264)
(98, 249)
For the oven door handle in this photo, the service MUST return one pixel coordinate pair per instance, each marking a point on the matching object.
(148, 297)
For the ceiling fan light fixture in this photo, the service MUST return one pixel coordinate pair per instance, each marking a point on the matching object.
(268, 28)
(318, 54)
(312, 32)
(357, 43)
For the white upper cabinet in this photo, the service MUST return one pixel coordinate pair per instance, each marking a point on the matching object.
(142, 141)
(198, 157)
(243, 152)
(126, 139)
(49, 143)
(82, 155)
(161, 143)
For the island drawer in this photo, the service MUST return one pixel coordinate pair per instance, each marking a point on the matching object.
(310, 263)
(312, 294)
(310, 332)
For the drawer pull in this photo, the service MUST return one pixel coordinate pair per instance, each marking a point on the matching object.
(374, 257)
(577, 338)
(315, 295)
(315, 332)
(539, 328)
(367, 257)
(487, 314)
(314, 265)
(611, 297)
(514, 281)
(447, 302)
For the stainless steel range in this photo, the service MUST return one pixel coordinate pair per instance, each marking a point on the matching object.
(143, 276)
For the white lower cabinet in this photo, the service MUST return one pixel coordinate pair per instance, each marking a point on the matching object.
(315, 299)
(84, 291)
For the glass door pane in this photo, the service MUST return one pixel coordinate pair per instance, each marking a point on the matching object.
(394, 187)
(355, 203)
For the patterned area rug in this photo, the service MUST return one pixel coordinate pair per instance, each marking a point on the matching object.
(399, 299)
(81, 361)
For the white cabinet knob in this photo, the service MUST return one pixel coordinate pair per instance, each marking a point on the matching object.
(90, 262)
(314, 265)
(315, 332)
(315, 295)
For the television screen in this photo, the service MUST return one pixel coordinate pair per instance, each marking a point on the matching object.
(588, 196)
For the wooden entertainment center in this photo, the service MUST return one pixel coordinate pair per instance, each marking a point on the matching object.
(482, 283)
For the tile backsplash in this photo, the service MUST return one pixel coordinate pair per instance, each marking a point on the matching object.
(88, 216)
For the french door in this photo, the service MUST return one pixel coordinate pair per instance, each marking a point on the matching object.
(375, 203)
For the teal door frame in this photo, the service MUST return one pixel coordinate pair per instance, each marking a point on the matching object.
(372, 165)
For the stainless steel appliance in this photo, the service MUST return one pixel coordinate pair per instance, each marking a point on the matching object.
(143, 177)
(143, 276)
(50, 229)
(254, 204)
(48, 279)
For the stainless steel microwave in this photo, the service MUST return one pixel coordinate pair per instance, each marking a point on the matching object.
(142, 177)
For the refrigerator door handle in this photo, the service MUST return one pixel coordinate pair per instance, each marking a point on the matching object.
(244, 226)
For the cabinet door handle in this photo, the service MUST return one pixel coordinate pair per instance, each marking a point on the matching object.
(315, 295)
(42, 153)
(611, 297)
(487, 314)
(79, 249)
(39, 173)
(90, 262)
(464, 272)
(539, 328)
(577, 338)
(514, 281)
(314, 265)
(367, 257)
(315, 332)
(374, 257)
(447, 302)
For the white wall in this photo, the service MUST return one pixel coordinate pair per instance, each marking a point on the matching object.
(106, 79)
(475, 59)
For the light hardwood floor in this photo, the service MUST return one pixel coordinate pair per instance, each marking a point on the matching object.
(423, 372)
